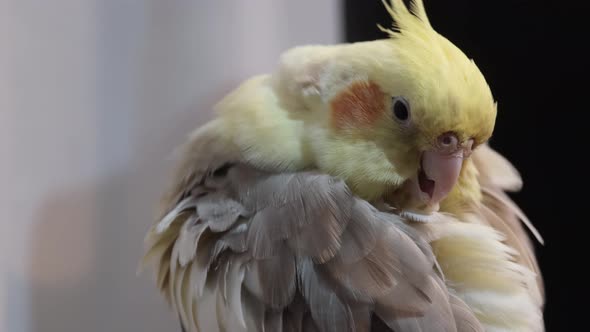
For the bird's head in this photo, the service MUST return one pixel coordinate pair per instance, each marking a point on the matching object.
(405, 111)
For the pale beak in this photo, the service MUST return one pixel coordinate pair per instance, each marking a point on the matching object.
(439, 171)
(438, 174)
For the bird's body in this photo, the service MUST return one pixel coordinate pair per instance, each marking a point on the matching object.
(351, 185)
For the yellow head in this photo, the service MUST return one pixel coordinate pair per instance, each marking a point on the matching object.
(403, 110)
(447, 91)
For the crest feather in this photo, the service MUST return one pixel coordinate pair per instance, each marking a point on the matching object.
(404, 19)
(426, 58)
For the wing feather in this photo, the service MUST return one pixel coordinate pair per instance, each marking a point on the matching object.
(252, 250)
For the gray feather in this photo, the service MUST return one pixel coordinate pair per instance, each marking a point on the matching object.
(277, 278)
(273, 321)
(219, 212)
(328, 311)
(296, 252)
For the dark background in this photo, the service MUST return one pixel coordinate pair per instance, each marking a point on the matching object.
(531, 54)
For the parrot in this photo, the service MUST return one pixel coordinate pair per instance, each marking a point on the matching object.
(353, 188)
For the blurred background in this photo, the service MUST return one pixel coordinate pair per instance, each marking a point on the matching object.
(95, 94)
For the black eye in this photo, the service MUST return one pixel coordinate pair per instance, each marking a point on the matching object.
(401, 108)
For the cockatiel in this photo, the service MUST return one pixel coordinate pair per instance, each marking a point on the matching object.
(350, 190)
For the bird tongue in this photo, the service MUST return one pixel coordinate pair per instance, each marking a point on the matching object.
(439, 174)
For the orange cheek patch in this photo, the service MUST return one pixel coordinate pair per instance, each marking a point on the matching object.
(359, 105)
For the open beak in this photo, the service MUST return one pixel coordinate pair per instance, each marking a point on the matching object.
(438, 173)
